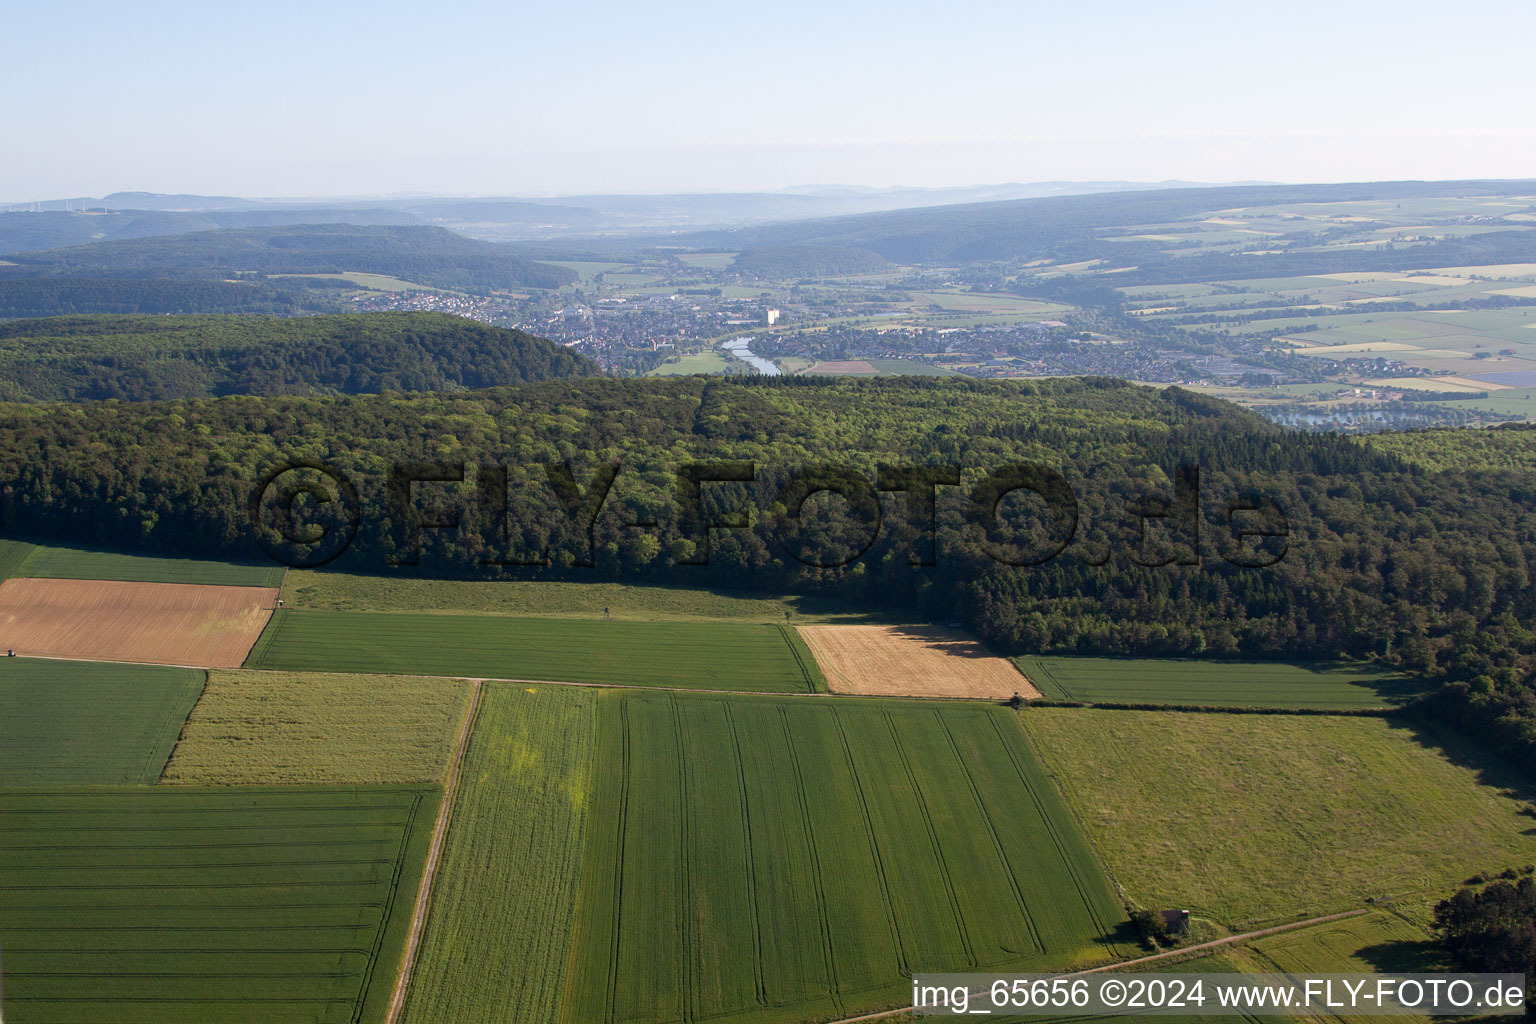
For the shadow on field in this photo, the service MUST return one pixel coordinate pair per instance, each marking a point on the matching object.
(1424, 956)
(1124, 937)
(950, 642)
(1512, 779)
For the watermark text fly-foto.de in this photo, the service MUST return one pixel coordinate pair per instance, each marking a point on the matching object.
(306, 513)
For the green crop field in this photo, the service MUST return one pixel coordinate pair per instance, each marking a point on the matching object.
(163, 906)
(499, 936)
(783, 860)
(723, 655)
(1331, 687)
(81, 563)
(1250, 819)
(288, 727)
(306, 589)
(707, 361)
(80, 722)
(13, 555)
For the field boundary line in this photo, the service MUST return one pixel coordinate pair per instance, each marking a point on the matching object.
(434, 857)
(794, 641)
(1155, 957)
(115, 661)
(1229, 940)
(642, 687)
(371, 968)
(181, 732)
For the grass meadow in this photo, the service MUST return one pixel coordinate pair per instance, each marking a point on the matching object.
(173, 906)
(734, 656)
(1378, 942)
(90, 723)
(84, 563)
(311, 590)
(1332, 687)
(294, 727)
(707, 361)
(498, 939)
(1254, 819)
(776, 860)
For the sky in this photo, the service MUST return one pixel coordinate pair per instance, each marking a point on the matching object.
(510, 98)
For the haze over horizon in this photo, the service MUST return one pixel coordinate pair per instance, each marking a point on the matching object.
(482, 99)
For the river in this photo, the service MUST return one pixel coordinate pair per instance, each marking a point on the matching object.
(738, 348)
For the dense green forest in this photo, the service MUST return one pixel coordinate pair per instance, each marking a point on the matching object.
(60, 296)
(787, 262)
(428, 255)
(1388, 556)
(136, 358)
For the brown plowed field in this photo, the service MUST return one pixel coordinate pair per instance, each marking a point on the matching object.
(163, 623)
(911, 661)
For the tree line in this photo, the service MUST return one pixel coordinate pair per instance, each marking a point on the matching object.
(1384, 555)
(137, 358)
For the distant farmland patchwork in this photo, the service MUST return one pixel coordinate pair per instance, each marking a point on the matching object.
(80, 722)
(774, 860)
(727, 656)
(1215, 683)
(624, 855)
(157, 906)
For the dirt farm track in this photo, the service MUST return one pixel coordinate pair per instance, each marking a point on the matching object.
(911, 661)
(163, 623)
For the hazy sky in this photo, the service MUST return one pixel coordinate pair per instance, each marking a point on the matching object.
(283, 99)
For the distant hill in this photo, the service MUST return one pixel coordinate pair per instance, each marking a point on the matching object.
(1066, 225)
(28, 232)
(506, 219)
(137, 358)
(429, 255)
(31, 297)
(781, 262)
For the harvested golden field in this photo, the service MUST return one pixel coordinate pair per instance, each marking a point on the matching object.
(911, 661)
(161, 623)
